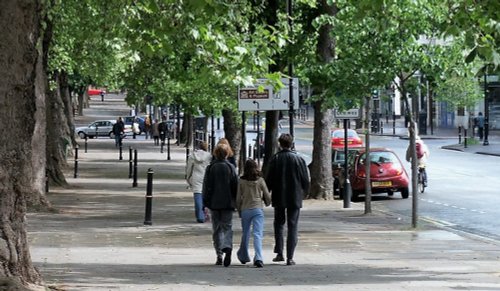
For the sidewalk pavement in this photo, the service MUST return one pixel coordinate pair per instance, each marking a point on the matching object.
(96, 239)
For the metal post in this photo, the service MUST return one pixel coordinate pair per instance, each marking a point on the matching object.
(347, 183)
(486, 112)
(257, 143)
(149, 199)
(168, 147)
(134, 183)
(130, 163)
(76, 162)
(187, 153)
(46, 182)
(290, 73)
(459, 134)
(465, 138)
(393, 124)
(381, 127)
(212, 137)
(250, 151)
(121, 152)
(86, 138)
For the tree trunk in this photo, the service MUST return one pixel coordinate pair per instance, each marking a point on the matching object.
(321, 167)
(271, 133)
(232, 131)
(20, 96)
(59, 140)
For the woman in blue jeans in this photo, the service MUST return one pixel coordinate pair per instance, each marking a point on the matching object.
(195, 171)
(251, 197)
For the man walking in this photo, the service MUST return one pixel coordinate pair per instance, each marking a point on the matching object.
(288, 180)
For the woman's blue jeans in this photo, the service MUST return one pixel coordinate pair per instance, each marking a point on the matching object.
(198, 207)
(251, 217)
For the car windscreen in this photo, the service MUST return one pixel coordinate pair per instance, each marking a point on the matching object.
(340, 133)
(380, 157)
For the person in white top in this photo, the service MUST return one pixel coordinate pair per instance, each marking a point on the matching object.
(195, 172)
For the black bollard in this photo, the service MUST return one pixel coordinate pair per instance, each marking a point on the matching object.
(86, 138)
(134, 183)
(121, 152)
(465, 138)
(459, 134)
(130, 163)
(168, 147)
(149, 198)
(393, 124)
(250, 151)
(46, 183)
(187, 153)
(76, 162)
(381, 127)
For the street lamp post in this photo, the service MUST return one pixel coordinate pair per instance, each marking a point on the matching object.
(486, 111)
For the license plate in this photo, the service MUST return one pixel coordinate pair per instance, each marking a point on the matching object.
(382, 184)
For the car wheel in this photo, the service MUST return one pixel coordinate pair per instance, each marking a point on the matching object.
(82, 134)
(405, 193)
(111, 135)
(390, 192)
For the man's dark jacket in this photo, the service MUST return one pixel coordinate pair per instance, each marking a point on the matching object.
(220, 186)
(288, 179)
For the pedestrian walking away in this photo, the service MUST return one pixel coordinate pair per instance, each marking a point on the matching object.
(480, 125)
(118, 131)
(195, 172)
(252, 196)
(156, 132)
(220, 186)
(287, 179)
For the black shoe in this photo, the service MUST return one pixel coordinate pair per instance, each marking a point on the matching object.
(227, 257)
(279, 258)
(219, 261)
(258, 264)
(290, 262)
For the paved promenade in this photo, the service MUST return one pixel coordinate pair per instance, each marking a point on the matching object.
(96, 240)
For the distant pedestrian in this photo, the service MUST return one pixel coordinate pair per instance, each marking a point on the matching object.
(102, 96)
(118, 131)
(162, 128)
(220, 186)
(480, 125)
(156, 132)
(147, 126)
(252, 196)
(230, 156)
(287, 178)
(195, 172)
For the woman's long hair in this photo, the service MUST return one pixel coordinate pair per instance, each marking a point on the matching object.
(250, 171)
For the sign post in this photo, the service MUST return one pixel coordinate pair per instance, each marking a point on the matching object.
(346, 115)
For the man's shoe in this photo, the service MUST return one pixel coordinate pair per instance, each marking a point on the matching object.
(258, 264)
(227, 257)
(279, 258)
(219, 261)
(290, 262)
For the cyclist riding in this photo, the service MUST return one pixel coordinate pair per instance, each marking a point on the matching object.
(422, 155)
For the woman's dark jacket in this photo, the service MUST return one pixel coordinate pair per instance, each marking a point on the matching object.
(220, 186)
(287, 179)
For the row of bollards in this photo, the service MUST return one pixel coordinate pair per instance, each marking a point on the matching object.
(133, 159)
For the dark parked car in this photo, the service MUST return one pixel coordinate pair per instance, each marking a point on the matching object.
(387, 173)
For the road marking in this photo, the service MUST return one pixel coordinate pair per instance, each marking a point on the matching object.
(451, 206)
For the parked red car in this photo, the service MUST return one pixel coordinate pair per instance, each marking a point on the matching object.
(338, 138)
(94, 91)
(387, 173)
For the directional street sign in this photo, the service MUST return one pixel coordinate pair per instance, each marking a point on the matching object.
(250, 99)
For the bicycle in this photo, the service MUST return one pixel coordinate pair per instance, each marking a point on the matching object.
(421, 179)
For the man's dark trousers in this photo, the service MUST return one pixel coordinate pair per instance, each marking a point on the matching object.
(291, 217)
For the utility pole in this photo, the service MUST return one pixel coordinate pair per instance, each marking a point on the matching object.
(290, 71)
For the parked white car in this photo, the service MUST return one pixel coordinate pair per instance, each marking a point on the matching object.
(96, 129)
